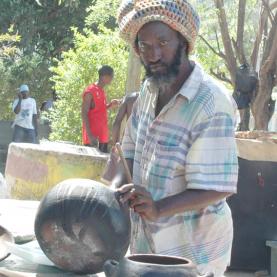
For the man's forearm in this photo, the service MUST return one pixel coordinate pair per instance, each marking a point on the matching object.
(190, 200)
(18, 107)
(87, 127)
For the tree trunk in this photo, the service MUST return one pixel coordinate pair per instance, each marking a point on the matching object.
(240, 32)
(134, 73)
(263, 105)
(226, 39)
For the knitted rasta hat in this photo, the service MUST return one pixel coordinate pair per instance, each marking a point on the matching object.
(178, 14)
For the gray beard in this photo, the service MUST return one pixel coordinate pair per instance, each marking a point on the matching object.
(163, 83)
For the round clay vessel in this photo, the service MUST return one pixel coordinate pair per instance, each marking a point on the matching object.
(151, 266)
(80, 225)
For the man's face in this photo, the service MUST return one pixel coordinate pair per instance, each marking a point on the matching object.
(24, 94)
(160, 50)
(107, 79)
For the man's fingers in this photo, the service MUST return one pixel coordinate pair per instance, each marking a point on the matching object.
(142, 209)
(130, 195)
(135, 194)
(139, 200)
(139, 190)
(125, 188)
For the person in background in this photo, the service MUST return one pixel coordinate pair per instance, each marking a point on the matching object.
(49, 104)
(94, 111)
(124, 111)
(26, 119)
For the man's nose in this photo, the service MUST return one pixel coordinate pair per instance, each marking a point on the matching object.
(155, 54)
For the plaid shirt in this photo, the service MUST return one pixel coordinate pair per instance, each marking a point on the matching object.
(189, 145)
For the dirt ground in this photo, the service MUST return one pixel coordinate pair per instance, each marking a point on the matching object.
(245, 274)
(239, 274)
(229, 274)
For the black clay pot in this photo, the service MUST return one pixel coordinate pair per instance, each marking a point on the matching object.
(80, 225)
(151, 266)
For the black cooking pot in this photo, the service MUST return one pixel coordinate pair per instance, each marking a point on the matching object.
(80, 225)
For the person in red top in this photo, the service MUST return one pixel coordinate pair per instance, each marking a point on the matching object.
(94, 111)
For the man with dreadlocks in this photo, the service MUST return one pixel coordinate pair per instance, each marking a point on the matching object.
(179, 142)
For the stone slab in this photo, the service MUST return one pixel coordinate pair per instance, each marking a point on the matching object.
(32, 169)
(18, 217)
(257, 150)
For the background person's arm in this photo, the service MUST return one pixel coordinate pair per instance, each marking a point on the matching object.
(120, 178)
(117, 123)
(114, 103)
(128, 147)
(87, 104)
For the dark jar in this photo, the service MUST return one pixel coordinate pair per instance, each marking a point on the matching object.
(80, 225)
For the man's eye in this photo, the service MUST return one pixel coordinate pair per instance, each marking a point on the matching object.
(163, 42)
(143, 46)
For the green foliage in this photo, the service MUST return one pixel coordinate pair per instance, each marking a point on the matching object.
(44, 25)
(8, 43)
(77, 69)
(102, 12)
(44, 30)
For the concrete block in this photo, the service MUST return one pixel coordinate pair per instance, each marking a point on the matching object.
(7, 132)
(273, 246)
(32, 170)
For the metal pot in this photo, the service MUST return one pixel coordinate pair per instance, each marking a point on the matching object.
(151, 266)
(80, 225)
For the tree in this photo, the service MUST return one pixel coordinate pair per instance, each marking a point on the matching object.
(233, 45)
(8, 50)
(8, 44)
(44, 27)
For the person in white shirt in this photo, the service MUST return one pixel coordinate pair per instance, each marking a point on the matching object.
(25, 123)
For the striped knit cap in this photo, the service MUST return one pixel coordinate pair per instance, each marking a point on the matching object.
(178, 14)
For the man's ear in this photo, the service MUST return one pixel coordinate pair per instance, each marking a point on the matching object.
(136, 48)
(184, 43)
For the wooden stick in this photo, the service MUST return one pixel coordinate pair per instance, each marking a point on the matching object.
(125, 165)
(130, 180)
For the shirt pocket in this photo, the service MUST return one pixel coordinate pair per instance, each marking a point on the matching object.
(164, 166)
(169, 158)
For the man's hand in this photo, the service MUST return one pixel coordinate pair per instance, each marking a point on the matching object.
(115, 103)
(140, 200)
(20, 97)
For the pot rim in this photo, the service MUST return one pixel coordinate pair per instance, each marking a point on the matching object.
(187, 263)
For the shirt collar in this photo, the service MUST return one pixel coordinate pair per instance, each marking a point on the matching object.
(190, 87)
